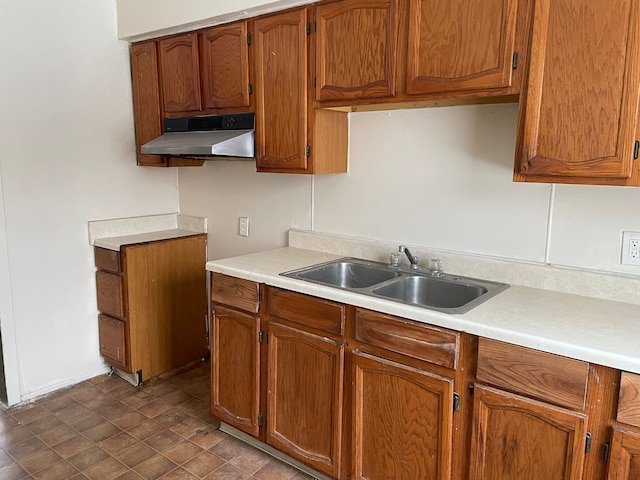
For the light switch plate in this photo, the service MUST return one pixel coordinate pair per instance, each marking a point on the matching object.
(243, 226)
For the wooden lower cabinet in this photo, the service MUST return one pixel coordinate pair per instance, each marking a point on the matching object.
(235, 369)
(625, 455)
(402, 421)
(305, 397)
(518, 438)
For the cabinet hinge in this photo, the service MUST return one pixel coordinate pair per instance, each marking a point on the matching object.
(587, 443)
(636, 149)
(314, 82)
(308, 28)
(456, 402)
(248, 38)
(605, 451)
(260, 336)
(471, 389)
(307, 150)
(250, 88)
(260, 419)
(514, 61)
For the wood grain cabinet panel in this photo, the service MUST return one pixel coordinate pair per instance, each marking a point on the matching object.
(224, 57)
(110, 289)
(629, 402)
(235, 292)
(235, 369)
(305, 397)
(579, 107)
(402, 421)
(113, 334)
(180, 73)
(356, 49)
(460, 45)
(517, 438)
(625, 455)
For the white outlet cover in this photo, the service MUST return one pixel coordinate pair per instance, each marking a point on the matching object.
(630, 255)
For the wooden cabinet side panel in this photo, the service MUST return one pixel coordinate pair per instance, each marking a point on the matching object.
(166, 286)
(541, 375)
(624, 463)
(235, 369)
(514, 437)
(225, 66)
(356, 49)
(579, 107)
(305, 397)
(235, 292)
(460, 45)
(402, 421)
(146, 99)
(629, 404)
(180, 73)
(282, 66)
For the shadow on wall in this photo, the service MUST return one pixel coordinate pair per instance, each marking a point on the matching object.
(486, 122)
(3, 385)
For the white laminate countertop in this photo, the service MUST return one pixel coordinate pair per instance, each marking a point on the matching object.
(114, 243)
(598, 331)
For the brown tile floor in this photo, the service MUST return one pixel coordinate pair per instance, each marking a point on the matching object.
(105, 429)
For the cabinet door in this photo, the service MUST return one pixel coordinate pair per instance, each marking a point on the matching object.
(235, 369)
(281, 50)
(514, 437)
(305, 376)
(113, 345)
(180, 73)
(578, 111)
(225, 66)
(356, 49)
(402, 421)
(460, 45)
(146, 99)
(625, 455)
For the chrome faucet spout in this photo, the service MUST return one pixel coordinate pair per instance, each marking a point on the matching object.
(413, 259)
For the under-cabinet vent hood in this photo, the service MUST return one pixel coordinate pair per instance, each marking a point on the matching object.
(206, 136)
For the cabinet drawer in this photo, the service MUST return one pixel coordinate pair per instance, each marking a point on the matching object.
(545, 376)
(424, 342)
(110, 294)
(108, 260)
(629, 403)
(305, 310)
(113, 345)
(235, 292)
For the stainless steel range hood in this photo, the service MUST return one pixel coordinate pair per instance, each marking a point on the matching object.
(206, 136)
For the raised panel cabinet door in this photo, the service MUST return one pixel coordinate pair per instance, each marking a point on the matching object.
(235, 369)
(578, 110)
(515, 437)
(281, 60)
(180, 73)
(225, 66)
(146, 100)
(305, 398)
(460, 45)
(402, 421)
(113, 346)
(624, 463)
(356, 49)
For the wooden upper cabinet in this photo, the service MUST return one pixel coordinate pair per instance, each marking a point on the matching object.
(146, 99)
(578, 110)
(224, 55)
(282, 66)
(356, 49)
(180, 73)
(460, 45)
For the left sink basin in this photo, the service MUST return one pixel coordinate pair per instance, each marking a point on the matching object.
(347, 273)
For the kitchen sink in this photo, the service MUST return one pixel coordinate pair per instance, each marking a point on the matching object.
(417, 287)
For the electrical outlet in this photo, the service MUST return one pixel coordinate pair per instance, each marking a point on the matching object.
(630, 248)
(243, 226)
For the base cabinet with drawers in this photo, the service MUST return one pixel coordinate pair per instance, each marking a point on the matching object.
(152, 302)
(625, 442)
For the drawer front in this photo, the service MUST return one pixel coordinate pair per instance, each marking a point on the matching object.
(629, 403)
(113, 346)
(541, 375)
(235, 292)
(108, 260)
(312, 312)
(110, 294)
(424, 342)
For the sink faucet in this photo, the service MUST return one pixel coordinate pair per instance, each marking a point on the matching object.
(413, 260)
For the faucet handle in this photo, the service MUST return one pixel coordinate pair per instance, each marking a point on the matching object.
(435, 266)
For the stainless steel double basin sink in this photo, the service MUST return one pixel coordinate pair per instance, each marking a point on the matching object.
(444, 293)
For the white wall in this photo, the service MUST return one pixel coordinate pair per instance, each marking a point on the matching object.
(67, 156)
